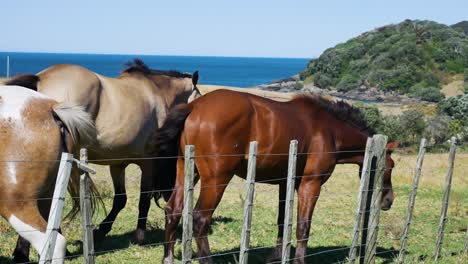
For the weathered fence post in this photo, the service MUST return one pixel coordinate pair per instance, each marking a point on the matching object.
(86, 214)
(362, 198)
(56, 208)
(412, 199)
(187, 213)
(445, 201)
(378, 166)
(369, 197)
(249, 195)
(288, 215)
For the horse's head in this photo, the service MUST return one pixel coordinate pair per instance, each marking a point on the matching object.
(387, 194)
(176, 87)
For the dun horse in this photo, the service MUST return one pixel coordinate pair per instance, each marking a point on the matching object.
(224, 122)
(34, 131)
(127, 112)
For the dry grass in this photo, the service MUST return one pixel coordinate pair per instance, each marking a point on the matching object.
(454, 87)
(3, 80)
(204, 89)
(332, 223)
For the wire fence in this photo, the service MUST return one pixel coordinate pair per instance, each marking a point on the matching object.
(347, 193)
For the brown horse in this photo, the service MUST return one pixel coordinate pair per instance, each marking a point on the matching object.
(127, 112)
(34, 131)
(224, 122)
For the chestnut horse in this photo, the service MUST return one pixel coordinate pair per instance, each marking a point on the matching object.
(34, 131)
(127, 112)
(224, 122)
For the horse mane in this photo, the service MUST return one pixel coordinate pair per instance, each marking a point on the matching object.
(341, 110)
(138, 66)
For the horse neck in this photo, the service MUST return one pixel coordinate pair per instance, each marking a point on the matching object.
(172, 88)
(350, 144)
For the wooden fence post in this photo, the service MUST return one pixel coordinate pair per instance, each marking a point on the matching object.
(86, 213)
(362, 198)
(445, 201)
(288, 216)
(248, 204)
(187, 213)
(412, 199)
(379, 159)
(56, 208)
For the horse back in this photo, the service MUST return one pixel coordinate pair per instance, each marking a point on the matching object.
(224, 122)
(72, 83)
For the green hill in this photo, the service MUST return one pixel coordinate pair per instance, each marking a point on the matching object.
(413, 57)
(463, 25)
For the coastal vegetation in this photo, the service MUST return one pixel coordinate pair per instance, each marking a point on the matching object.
(414, 58)
(450, 119)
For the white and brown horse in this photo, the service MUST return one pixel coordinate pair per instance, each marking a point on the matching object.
(34, 131)
(127, 112)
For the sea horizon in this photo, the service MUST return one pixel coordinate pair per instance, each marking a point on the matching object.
(215, 70)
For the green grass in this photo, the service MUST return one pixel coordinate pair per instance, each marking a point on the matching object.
(331, 228)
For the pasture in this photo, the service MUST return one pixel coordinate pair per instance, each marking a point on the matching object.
(331, 226)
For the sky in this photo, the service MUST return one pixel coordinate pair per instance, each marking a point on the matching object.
(246, 28)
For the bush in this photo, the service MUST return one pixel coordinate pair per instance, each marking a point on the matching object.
(393, 129)
(373, 117)
(413, 123)
(438, 129)
(348, 82)
(322, 80)
(431, 94)
(455, 107)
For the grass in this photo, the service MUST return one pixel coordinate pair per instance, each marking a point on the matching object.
(331, 227)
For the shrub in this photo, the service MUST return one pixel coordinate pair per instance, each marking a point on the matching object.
(438, 129)
(431, 94)
(455, 107)
(414, 124)
(348, 82)
(322, 80)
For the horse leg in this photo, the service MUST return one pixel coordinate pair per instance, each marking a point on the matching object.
(276, 254)
(315, 174)
(211, 191)
(120, 199)
(31, 226)
(173, 211)
(146, 187)
(21, 253)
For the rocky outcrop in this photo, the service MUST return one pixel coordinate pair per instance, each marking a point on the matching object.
(363, 93)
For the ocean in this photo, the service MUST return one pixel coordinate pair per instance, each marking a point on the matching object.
(229, 71)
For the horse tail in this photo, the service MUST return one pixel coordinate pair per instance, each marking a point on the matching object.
(167, 145)
(82, 130)
(27, 80)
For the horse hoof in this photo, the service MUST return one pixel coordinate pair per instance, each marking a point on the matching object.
(168, 260)
(139, 237)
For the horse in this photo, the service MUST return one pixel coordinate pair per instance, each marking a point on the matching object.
(127, 112)
(34, 131)
(222, 123)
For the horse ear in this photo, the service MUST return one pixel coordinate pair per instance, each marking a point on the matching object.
(195, 78)
(392, 146)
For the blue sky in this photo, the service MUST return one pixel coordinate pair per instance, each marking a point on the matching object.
(218, 28)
